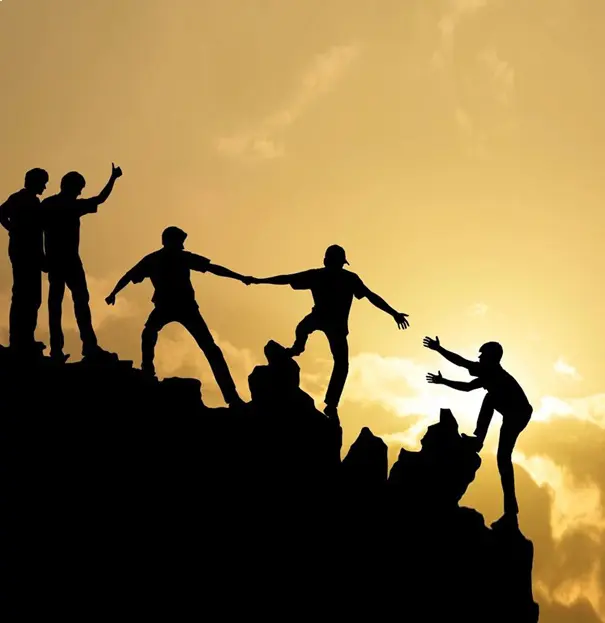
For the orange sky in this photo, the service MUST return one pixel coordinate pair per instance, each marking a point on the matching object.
(453, 147)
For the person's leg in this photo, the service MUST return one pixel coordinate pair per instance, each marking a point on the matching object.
(304, 329)
(486, 413)
(76, 282)
(155, 323)
(18, 306)
(339, 346)
(509, 433)
(196, 325)
(56, 293)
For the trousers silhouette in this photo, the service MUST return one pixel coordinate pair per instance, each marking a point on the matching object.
(339, 347)
(192, 320)
(71, 275)
(512, 426)
(26, 297)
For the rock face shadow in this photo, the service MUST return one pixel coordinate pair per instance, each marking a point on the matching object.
(126, 494)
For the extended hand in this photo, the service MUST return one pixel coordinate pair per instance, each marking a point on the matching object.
(111, 299)
(115, 171)
(437, 379)
(401, 320)
(431, 343)
(247, 279)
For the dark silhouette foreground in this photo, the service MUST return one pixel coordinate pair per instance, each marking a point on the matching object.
(20, 215)
(131, 496)
(333, 289)
(169, 270)
(505, 395)
(61, 214)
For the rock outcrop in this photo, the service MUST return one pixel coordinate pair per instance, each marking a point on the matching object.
(126, 497)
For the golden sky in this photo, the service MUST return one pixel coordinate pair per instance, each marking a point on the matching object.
(453, 147)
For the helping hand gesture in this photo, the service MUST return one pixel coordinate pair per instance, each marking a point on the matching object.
(111, 299)
(431, 343)
(248, 280)
(115, 171)
(436, 379)
(401, 320)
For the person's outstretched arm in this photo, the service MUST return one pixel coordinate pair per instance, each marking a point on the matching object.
(278, 280)
(462, 386)
(457, 360)
(202, 264)
(399, 317)
(104, 194)
(221, 271)
(135, 275)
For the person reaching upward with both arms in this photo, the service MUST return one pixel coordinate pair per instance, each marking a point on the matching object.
(505, 395)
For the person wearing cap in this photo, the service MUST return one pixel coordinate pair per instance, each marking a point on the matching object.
(20, 216)
(333, 289)
(169, 270)
(505, 395)
(61, 214)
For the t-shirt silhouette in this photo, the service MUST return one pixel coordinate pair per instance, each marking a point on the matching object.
(61, 222)
(170, 273)
(333, 290)
(507, 395)
(23, 210)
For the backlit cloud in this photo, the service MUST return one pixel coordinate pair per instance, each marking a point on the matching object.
(266, 140)
(562, 367)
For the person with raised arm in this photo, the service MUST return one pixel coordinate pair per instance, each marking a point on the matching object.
(61, 214)
(333, 289)
(505, 395)
(169, 270)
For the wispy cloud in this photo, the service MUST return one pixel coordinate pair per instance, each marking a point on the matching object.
(265, 141)
(563, 368)
(473, 100)
(478, 309)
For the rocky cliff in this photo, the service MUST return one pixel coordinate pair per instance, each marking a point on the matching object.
(126, 497)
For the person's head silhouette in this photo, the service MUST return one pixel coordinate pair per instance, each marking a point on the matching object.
(173, 238)
(335, 257)
(72, 184)
(36, 180)
(491, 353)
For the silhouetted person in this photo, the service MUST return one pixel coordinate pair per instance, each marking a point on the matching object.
(20, 216)
(505, 395)
(61, 218)
(333, 289)
(169, 270)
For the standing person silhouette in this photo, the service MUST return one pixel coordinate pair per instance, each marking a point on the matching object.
(61, 215)
(333, 289)
(20, 216)
(169, 270)
(505, 395)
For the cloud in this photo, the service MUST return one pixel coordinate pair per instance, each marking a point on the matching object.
(478, 309)
(563, 368)
(501, 75)
(569, 580)
(265, 141)
(480, 83)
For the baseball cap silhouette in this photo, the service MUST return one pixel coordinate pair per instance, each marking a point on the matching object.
(337, 254)
(173, 234)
